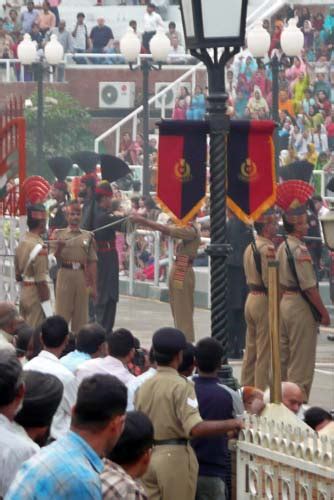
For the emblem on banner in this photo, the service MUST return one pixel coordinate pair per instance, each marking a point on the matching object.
(248, 171)
(182, 171)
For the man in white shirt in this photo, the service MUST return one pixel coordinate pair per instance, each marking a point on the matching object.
(15, 446)
(152, 21)
(177, 52)
(121, 348)
(81, 40)
(54, 338)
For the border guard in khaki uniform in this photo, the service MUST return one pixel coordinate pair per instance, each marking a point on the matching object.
(182, 276)
(301, 306)
(256, 363)
(31, 269)
(75, 252)
(169, 400)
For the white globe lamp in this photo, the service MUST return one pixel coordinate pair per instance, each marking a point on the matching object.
(26, 51)
(130, 46)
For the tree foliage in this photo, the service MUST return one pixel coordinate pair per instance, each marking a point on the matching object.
(65, 129)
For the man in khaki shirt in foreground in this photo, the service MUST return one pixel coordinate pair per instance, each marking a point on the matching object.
(169, 400)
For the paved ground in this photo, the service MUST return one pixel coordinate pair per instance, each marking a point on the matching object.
(144, 316)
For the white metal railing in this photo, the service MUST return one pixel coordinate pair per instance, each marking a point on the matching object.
(278, 461)
(116, 129)
(11, 229)
(159, 261)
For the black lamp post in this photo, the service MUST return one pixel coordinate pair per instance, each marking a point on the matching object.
(130, 49)
(216, 24)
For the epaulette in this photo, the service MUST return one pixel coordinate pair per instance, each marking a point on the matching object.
(303, 254)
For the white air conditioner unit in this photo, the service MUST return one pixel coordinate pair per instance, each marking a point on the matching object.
(171, 95)
(116, 94)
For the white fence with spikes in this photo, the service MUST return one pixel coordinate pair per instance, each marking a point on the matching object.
(277, 461)
(11, 230)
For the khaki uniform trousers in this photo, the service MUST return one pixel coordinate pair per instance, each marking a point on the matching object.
(182, 303)
(256, 363)
(172, 474)
(298, 342)
(30, 306)
(72, 297)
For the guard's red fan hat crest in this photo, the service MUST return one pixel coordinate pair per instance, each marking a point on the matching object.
(35, 190)
(293, 194)
(292, 197)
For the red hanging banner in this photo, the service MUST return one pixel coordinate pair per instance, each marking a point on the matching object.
(182, 168)
(251, 168)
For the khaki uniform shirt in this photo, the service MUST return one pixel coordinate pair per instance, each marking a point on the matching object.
(303, 263)
(267, 252)
(80, 248)
(190, 237)
(38, 269)
(170, 401)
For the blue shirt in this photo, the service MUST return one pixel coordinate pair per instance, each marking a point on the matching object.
(100, 36)
(73, 359)
(215, 403)
(28, 18)
(67, 469)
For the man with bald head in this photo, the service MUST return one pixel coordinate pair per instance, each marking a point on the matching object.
(9, 321)
(292, 396)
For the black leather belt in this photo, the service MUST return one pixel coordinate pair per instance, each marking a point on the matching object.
(75, 266)
(290, 289)
(257, 288)
(182, 442)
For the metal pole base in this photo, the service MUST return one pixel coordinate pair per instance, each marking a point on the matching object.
(225, 376)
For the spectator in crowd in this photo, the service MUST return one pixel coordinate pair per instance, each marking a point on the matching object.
(15, 446)
(176, 53)
(196, 110)
(292, 396)
(152, 22)
(12, 24)
(22, 339)
(81, 40)
(257, 104)
(70, 467)
(317, 418)
(101, 39)
(64, 37)
(129, 460)
(215, 403)
(46, 19)
(121, 349)
(36, 35)
(172, 33)
(187, 367)
(10, 320)
(90, 344)
(253, 400)
(29, 17)
(42, 396)
(6, 44)
(133, 25)
(54, 4)
(54, 338)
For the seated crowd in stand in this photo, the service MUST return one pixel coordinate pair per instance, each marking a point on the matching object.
(41, 19)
